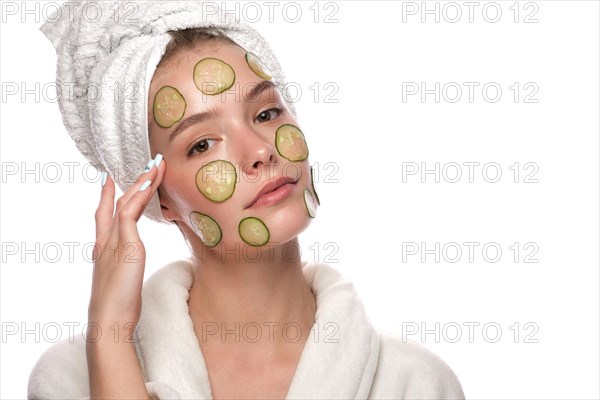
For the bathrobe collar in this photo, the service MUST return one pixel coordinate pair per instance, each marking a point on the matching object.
(338, 361)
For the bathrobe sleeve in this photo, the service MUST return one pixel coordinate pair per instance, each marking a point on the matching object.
(408, 370)
(62, 373)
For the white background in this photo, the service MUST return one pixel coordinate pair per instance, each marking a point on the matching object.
(367, 138)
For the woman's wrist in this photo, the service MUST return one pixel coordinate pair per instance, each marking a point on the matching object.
(117, 329)
(114, 370)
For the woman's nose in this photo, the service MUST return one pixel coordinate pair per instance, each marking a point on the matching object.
(259, 152)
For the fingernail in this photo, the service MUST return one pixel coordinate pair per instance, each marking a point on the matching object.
(158, 160)
(103, 177)
(145, 185)
(149, 166)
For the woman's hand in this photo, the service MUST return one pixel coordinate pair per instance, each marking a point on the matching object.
(119, 254)
(115, 302)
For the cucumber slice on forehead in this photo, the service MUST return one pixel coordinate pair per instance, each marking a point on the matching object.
(206, 228)
(213, 76)
(290, 143)
(216, 180)
(309, 201)
(253, 231)
(257, 66)
(169, 106)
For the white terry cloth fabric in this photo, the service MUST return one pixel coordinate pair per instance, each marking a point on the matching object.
(106, 58)
(355, 362)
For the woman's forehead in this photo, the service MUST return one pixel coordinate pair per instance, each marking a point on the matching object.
(180, 66)
(232, 78)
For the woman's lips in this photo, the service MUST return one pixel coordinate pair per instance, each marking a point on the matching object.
(275, 196)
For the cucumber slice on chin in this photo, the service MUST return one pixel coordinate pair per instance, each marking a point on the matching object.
(253, 231)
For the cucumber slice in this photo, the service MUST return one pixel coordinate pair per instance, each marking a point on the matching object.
(169, 106)
(216, 180)
(312, 180)
(257, 66)
(206, 228)
(253, 231)
(213, 76)
(290, 143)
(309, 201)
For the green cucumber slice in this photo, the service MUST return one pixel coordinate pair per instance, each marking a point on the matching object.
(290, 143)
(312, 180)
(309, 201)
(213, 76)
(206, 228)
(253, 231)
(169, 106)
(216, 180)
(257, 66)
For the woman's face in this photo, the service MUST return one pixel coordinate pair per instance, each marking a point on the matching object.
(219, 145)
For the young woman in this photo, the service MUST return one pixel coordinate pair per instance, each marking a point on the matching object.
(244, 316)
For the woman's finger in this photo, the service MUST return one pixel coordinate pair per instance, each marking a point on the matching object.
(104, 212)
(147, 175)
(130, 212)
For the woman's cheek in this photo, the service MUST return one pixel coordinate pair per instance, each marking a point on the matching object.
(216, 224)
(217, 180)
(206, 228)
(216, 183)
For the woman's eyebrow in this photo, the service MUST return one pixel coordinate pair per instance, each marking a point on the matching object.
(212, 113)
(194, 119)
(257, 90)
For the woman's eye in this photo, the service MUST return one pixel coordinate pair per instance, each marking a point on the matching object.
(268, 115)
(203, 145)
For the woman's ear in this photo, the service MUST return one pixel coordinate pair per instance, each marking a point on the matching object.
(166, 206)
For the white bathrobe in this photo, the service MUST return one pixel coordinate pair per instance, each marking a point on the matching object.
(343, 358)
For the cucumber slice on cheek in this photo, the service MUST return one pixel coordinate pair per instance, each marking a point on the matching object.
(253, 231)
(290, 143)
(257, 66)
(216, 180)
(169, 106)
(206, 228)
(213, 76)
(309, 201)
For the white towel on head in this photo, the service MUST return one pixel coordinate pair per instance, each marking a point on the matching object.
(106, 60)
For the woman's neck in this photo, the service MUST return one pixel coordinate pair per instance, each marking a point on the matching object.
(242, 290)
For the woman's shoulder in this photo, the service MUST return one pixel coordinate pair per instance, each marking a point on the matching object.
(410, 370)
(405, 368)
(61, 371)
(179, 272)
